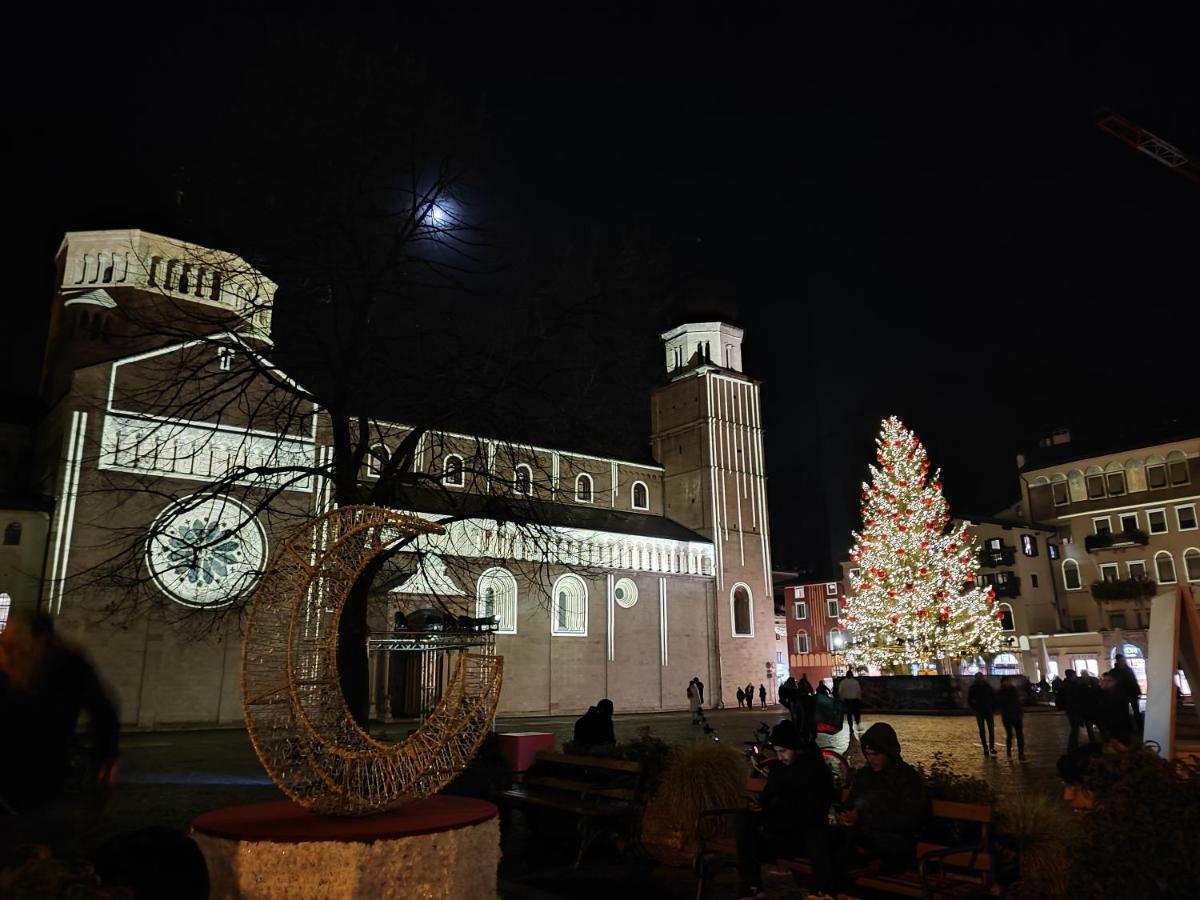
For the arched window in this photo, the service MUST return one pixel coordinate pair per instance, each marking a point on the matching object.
(1177, 468)
(1164, 567)
(1071, 579)
(1006, 617)
(801, 641)
(569, 612)
(641, 496)
(1191, 564)
(583, 489)
(523, 480)
(1006, 664)
(452, 471)
(12, 534)
(5, 606)
(741, 610)
(377, 458)
(496, 596)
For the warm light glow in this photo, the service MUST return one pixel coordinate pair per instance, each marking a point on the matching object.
(915, 599)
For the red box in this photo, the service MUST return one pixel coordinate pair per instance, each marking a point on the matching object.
(519, 748)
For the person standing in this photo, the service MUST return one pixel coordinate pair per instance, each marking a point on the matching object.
(982, 700)
(700, 688)
(693, 697)
(750, 696)
(762, 695)
(1128, 688)
(1069, 698)
(1112, 711)
(849, 692)
(741, 698)
(1012, 715)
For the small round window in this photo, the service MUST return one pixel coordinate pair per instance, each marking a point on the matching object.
(625, 593)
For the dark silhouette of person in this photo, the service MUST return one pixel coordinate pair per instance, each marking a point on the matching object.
(595, 727)
(1128, 688)
(787, 695)
(750, 696)
(762, 695)
(791, 814)
(1069, 698)
(982, 699)
(823, 689)
(741, 698)
(45, 685)
(886, 808)
(1091, 700)
(803, 685)
(1112, 711)
(154, 862)
(700, 688)
(1012, 715)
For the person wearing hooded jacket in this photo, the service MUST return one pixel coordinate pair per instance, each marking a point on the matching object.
(887, 806)
(792, 812)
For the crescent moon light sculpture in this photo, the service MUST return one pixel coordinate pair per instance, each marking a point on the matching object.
(297, 718)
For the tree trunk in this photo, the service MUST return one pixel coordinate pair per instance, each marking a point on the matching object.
(352, 662)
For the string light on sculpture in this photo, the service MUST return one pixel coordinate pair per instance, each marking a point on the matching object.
(915, 598)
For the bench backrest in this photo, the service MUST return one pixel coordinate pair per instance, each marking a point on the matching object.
(589, 762)
(590, 777)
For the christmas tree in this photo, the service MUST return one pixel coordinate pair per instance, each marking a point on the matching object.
(915, 595)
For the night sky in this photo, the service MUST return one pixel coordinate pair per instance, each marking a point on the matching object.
(907, 213)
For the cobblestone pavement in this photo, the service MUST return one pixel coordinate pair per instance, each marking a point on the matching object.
(167, 778)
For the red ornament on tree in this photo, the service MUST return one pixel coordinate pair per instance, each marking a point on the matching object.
(924, 570)
(970, 576)
(991, 593)
(902, 528)
(892, 594)
(922, 613)
(899, 551)
(902, 483)
(851, 619)
(894, 619)
(928, 501)
(909, 586)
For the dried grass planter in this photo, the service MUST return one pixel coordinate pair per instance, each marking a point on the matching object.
(698, 777)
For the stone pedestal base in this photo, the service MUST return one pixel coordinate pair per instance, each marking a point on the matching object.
(442, 847)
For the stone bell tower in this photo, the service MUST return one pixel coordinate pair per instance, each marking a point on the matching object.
(707, 434)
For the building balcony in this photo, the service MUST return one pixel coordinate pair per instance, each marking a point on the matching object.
(1005, 584)
(1124, 589)
(1003, 556)
(1107, 540)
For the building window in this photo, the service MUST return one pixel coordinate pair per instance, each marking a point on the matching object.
(5, 606)
(1116, 620)
(1164, 566)
(1115, 483)
(377, 458)
(831, 588)
(1191, 563)
(1052, 550)
(523, 480)
(452, 471)
(496, 597)
(1060, 493)
(1110, 572)
(1156, 476)
(837, 640)
(569, 614)
(1033, 580)
(583, 489)
(831, 609)
(1029, 545)
(625, 592)
(741, 611)
(801, 641)
(225, 358)
(1129, 521)
(641, 496)
(1177, 468)
(1079, 625)
(855, 574)
(12, 534)
(1184, 515)
(1005, 616)
(1157, 519)
(1102, 525)
(1071, 579)
(799, 610)
(798, 593)
(1136, 569)
(1095, 487)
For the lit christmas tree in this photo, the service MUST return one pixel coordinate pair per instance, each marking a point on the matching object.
(915, 596)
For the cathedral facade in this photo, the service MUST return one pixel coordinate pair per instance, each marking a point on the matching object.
(635, 576)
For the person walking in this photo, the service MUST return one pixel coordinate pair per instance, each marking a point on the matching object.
(849, 692)
(1012, 715)
(741, 698)
(1112, 711)
(762, 695)
(1069, 698)
(982, 700)
(693, 698)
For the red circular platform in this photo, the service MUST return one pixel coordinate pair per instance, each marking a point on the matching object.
(286, 822)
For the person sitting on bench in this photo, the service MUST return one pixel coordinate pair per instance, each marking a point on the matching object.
(791, 816)
(594, 728)
(886, 808)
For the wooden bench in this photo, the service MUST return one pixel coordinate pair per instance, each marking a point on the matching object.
(962, 870)
(602, 794)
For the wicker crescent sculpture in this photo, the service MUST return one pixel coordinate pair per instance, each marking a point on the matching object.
(298, 720)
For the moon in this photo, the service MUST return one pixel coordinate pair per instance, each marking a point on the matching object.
(297, 717)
